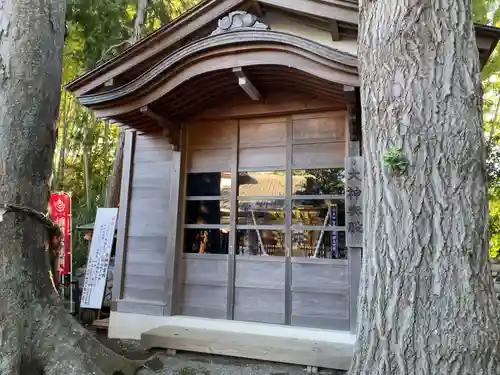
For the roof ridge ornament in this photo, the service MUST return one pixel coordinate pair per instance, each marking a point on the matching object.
(239, 20)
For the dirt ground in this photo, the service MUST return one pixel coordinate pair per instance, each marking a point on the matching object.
(203, 364)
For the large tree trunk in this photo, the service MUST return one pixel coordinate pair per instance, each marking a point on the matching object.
(37, 336)
(427, 303)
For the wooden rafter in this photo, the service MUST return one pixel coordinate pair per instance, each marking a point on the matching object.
(334, 30)
(246, 84)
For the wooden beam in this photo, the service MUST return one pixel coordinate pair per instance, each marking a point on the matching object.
(246, 85)
(331, 9)
(123, 216)
(253, 6)
(176, 221)
(351, 97)
(258, 8)
(171, 131)
(334, 30)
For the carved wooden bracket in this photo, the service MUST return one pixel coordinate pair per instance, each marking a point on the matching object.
(171, 130)
(239, 20)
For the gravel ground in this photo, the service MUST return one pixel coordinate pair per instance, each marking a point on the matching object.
(198, 364)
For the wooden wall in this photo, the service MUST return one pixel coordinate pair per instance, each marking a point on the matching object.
(205, 285)
(144, 274)
(279, 290)
(320, 293)
(260, 289)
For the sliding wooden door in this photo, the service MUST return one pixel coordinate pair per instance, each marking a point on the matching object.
(264, 232)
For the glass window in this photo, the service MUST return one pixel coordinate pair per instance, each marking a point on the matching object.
(318, 212)
(319, 244)
(261, 212)
(209, 241)
(208, 184)
(207, 212)
(329, 181)
(262, 184)
(315, 205)
(260, 242)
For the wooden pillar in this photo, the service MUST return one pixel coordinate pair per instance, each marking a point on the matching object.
(354, 200)
(123, 216)
(173, 262)
(233, 237)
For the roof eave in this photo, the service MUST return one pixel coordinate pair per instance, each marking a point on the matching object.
(490, 32)
(140, 45)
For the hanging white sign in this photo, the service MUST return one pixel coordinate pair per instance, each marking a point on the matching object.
(98, 261)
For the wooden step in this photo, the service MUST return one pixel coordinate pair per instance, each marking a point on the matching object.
(268, 342)
(101, 324)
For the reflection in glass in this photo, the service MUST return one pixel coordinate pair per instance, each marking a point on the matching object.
(207, 212)
(261, 212)
(319, 244)
(318, 212)
(329, 181)
(260, 242)
(210, 241)
(211, 184)
(262, 184)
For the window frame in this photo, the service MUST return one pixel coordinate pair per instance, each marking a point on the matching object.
(234, 198)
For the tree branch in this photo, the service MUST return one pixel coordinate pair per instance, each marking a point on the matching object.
(52, 228)
(105, 53)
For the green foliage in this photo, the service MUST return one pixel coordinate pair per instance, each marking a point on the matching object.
(488, 12)
(322, 181)
(494, 208)
(395, 160)
(98, 25)
(161, 12)
(97, 30)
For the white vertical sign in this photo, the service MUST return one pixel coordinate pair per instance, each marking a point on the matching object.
(99, 255)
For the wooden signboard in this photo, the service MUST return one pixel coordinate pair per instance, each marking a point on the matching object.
(98, 261)
(354, 201)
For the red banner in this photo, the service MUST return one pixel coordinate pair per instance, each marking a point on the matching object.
(60, 213)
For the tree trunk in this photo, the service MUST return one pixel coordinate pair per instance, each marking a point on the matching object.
(427, 302)
(86, 173)
(139, 19)
(62, 152)
(112, 198)
(37, 336)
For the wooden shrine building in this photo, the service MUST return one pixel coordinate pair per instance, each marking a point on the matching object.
(234, 235)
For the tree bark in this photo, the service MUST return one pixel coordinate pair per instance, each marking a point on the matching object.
(139, 19)
(86, 173)
(37, 335)
(62, 153)
(112, 198)
(427, 302)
